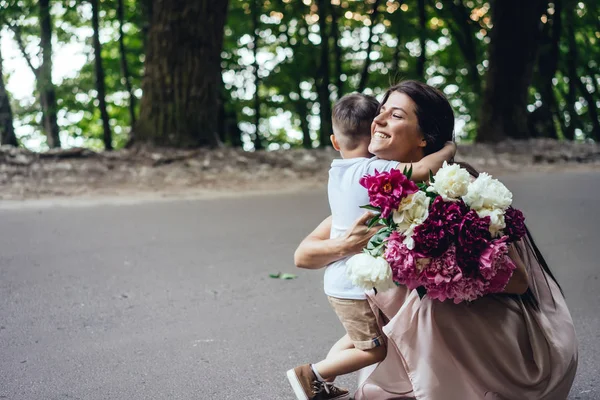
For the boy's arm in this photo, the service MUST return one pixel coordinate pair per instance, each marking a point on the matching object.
(432, 162)
(318, 250)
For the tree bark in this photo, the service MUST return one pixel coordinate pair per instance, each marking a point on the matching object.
(7, 131)
(124, 64)
(323, 77)
(100, 84)
(44, 78)
(179, 106)
(364, 76)
(337, 50)
(422, 40)
(255, 11)
(512, 52)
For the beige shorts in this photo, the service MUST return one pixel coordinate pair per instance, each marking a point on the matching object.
(359, 321)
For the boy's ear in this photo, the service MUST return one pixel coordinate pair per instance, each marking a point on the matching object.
(334, 142)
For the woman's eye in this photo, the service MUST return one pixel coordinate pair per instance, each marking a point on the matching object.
(397, 115)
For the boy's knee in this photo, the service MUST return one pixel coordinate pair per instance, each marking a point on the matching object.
(378, 353)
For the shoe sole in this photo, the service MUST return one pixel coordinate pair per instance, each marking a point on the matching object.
(296, 386)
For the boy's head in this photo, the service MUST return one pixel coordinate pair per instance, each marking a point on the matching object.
(352, 118)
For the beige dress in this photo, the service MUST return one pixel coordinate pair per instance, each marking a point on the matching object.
(497, 347)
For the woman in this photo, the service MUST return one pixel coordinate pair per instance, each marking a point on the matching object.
(516, 345)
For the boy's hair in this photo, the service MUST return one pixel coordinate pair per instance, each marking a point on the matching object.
(352, 117)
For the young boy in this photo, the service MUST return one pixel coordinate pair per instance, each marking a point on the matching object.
(363, 344)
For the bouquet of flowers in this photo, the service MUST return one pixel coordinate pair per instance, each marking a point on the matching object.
(448, 237)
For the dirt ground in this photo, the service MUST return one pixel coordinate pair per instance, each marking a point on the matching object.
(167, 173)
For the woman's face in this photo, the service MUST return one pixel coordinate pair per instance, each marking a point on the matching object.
(395, 133)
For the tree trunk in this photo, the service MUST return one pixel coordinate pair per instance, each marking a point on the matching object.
(255, 11)
(100, 85)
(323, 78)
(422, 40)
(337, 50)
(7, 131)
(44, 78)
(365, 72)
(124, 64)
(571, 60)
(464, 33)
(179, 106)
(512, 53)
(541, 121)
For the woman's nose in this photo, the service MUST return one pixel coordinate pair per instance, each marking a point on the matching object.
(379, 119)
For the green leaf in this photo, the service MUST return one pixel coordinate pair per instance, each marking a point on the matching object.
(370, 208)
(405, 170)
(288, 276)
(275, 276)
(410, 172)
(373, 222)
(431, 179)
(421, 291)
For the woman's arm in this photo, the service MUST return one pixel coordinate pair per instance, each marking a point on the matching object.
(318, 250)
(519, 282)
(432, 163)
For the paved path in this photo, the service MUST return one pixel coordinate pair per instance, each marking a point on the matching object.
(172, 300)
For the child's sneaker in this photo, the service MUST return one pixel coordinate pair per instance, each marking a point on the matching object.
(331, 392)
(304, 382)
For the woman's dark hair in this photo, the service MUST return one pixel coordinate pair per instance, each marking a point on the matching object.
(434, 113)
(436, 121)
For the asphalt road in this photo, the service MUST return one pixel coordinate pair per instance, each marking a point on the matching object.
(173, 300)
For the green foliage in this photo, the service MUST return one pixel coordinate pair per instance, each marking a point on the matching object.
(457, 35)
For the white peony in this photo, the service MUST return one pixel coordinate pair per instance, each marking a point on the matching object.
(368, 272)
(451, 182)
(487, 192)
(496, 215)
(412, 211)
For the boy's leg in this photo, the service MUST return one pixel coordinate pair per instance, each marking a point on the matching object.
(367, 340)
(349, 360)
(345, 343)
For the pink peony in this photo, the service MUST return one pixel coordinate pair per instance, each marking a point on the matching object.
(515, 224)
(387, 189)
(402, 262)
(495, 266)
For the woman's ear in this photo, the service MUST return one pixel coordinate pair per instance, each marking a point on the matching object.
(423, 142)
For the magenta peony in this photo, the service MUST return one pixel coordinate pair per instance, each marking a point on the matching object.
(515, 224)
(387, 189)
(448, 213)
(431, 238)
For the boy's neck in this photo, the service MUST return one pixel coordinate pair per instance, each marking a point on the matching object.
(357, 153)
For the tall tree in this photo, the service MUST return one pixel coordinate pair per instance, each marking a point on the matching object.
(43, 73)
(124, 64)
(7, 131)
(512, 53)
(323, 76)
(100, 84)
(364, 76)
(541, 120)
(422, 39)
(179, 106)
(337, 50)
(255, 11)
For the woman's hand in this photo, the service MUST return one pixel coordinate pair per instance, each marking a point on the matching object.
(359, 234)
(318, 250)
